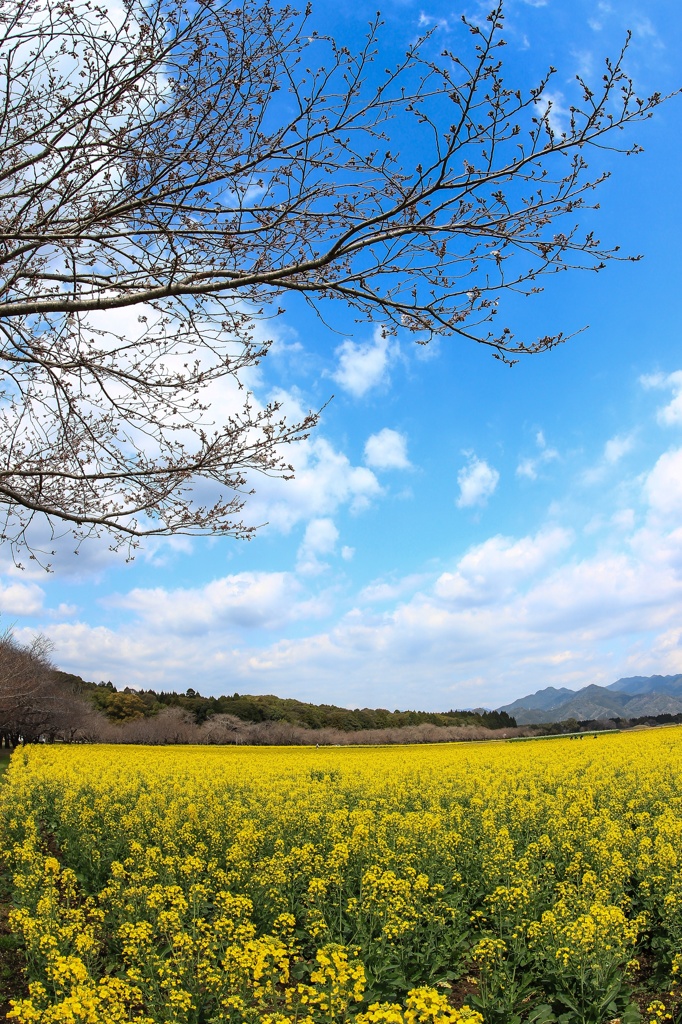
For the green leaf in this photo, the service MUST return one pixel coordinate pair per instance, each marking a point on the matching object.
(631, 1014)
(611, 994)
(564, 998)
(542, 1014)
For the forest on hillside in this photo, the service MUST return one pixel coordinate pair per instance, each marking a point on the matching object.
(128, 704)
(38, 702)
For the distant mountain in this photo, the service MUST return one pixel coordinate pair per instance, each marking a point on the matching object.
(653, 704)
(547, 698)
(601, 702)
(649, 684)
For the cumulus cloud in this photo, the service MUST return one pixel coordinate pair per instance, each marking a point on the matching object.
(568, 622)
(383, 591)
(320, 539)
(387, 450)
(512, 614)
(477, 482)
(663, 485)
(499, 564)
(617, 447)
(324, 481)
(21, 598)
(365, 365)
(529, 467)
(509, 615)
(669, 415)
(553, 106)
(247, 600)
(624, 519)
(101, 652)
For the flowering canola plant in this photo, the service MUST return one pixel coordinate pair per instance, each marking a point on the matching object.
(498, 882)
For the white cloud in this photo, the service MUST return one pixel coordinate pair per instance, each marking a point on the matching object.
(324, 480)
(624, 519)
(477, 482)
(347, 553)
(428, 21)
(387, 450)
(225, 399)
(568, 624)
(644, 29)
(602, 11)
(499, 563)
(320, 538)
(364, 366)
(324, 477)
(21, 598)
(585, 62)
(248, 600)
(63, 611)
(663, 485)
(616, 447)
(511, 615)
(669, 415)
(553, 105)
(528, 467)
(383, 591)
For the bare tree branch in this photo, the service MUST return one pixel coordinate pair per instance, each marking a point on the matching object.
(201, 161)
(34, 703)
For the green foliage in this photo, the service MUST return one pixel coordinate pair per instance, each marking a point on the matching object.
(130, 704)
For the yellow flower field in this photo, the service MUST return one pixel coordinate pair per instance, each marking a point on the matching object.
(503, 882)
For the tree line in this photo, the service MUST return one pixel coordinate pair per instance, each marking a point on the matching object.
(40, 702)
(128, 704)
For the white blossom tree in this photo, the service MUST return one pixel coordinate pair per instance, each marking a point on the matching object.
(195, 163)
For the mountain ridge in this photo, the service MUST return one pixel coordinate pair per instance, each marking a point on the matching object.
(649, 684)
(630, 697)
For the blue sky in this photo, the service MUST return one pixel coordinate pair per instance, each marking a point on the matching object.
(459, 532)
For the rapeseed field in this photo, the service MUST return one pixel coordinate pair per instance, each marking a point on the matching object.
(497, 882)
